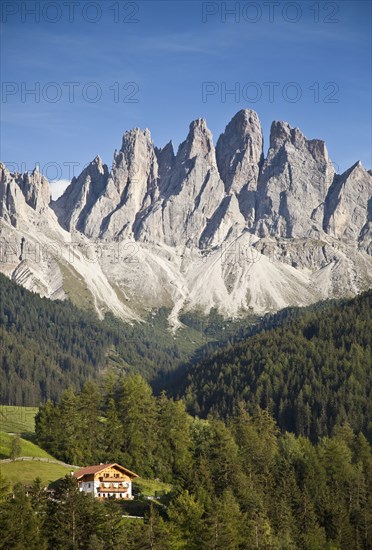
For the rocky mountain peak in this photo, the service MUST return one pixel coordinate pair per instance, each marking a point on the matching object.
(198, 124)
(282, 133)
(8, 196)
(167, 150)
(244, 121)
(199, 142)
(135, 135)
(73, 207)
(348, 204)
(239, 151)
(191, 190)
(166, 158)
(201, 224)
(138, 149)
(98, 162)
(95, 167)
(23, 197)
(318, 150)
(35, 188)
(294, 183)
(358, 167)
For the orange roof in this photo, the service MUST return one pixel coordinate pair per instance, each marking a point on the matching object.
(99, 467)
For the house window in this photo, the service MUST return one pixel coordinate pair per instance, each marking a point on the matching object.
(88, 485)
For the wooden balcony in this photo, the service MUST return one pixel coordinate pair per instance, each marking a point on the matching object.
(112, 490)
(114, 479)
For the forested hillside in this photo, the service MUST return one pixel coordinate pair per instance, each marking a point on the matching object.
(237, 485)
(46, 346)
(312, 372)
(309, 366)
(240, 479)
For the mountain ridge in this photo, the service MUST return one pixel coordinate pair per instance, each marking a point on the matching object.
(204, 227)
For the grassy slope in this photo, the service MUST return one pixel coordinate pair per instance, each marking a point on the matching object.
(17, 419)
(26, 472)
(27, 448)
(150, 487)
(22, 420)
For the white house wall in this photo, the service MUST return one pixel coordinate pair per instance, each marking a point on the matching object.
(93, 487)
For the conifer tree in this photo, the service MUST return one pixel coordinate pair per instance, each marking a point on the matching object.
(186, 516)
(19, 525)
(15, 450)
(137, 411)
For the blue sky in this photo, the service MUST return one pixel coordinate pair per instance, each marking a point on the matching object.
(161, 55)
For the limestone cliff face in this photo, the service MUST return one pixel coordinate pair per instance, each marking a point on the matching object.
(131, 189)
(74, 206)
(166, 158)
(103, 204)
(240, 156)
(22, 195)
(348, 205)
(204, 227)
(293, 186)
(192, 190)
(203, 195)
(11, 197)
